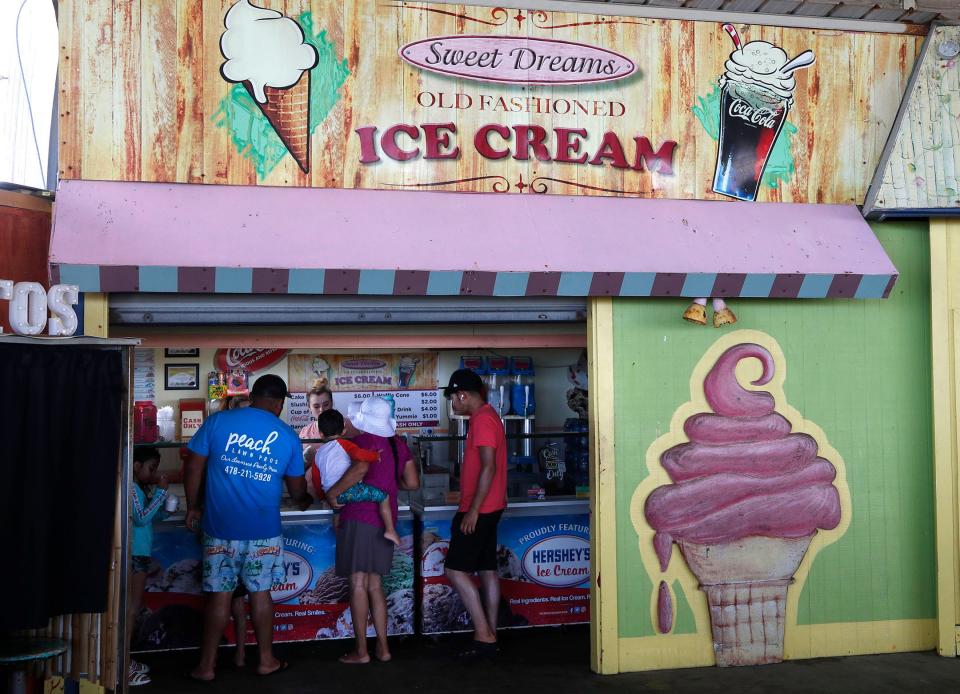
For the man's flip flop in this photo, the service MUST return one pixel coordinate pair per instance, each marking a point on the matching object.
(284, 666)
(479, 649)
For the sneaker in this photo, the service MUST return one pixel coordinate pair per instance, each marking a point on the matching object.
(138, 679)
(138, 667)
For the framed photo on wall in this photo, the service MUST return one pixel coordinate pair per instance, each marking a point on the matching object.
(181, 376)
(175, 352)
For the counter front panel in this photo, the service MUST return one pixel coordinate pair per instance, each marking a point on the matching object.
(544, 564)
(310, 604)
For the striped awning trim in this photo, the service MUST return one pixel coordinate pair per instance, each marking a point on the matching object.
(222, 280)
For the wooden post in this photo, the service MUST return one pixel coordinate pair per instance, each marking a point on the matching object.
(93, 653)
(47, 665)
(111, 664)
(76, 661)
(604, 635)
(57, 666)
(65, 635)
(105, 645)
(82, 643)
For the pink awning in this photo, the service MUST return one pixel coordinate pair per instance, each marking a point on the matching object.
(128, 237)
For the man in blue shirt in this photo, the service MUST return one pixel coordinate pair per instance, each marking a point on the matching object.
(246, 455)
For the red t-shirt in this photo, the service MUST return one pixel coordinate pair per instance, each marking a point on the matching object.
(486, 429)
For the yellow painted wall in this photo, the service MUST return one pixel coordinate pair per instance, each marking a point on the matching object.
(945, 334)
(96, 321)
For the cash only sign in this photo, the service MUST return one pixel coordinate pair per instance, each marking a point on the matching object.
(517, 60)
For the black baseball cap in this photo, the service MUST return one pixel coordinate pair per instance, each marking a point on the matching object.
(463, 379)
(269, 386)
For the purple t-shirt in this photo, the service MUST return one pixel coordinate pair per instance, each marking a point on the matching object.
(382, 475)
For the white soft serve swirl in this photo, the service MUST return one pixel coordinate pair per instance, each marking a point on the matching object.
(264, 48)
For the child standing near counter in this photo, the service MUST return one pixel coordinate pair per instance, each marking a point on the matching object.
(145, 508)
(336, 455)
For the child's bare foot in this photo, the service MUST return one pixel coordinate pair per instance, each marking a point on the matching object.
(202, 675)
(354, 658)
(239, 658)
(383, 654)
(393, 537)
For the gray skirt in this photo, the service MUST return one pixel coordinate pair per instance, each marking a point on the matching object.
(362, 547)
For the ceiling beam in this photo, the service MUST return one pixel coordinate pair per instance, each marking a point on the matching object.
(795, 20)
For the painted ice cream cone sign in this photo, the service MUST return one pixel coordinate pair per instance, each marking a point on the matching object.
(749, 491)
(756, 96)
(267, 53)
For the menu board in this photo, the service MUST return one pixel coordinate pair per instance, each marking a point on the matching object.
(407, 380)
(364, 372)
(412, 409)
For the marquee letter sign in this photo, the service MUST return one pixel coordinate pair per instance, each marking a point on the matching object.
(30, 305)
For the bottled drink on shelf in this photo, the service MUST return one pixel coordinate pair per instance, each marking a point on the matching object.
(145, 429)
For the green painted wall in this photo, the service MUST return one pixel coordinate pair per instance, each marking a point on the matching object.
(858, 369)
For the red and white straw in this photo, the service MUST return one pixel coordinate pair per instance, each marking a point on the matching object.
(734, 36)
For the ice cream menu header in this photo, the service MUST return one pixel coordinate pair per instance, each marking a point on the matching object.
(395, 95)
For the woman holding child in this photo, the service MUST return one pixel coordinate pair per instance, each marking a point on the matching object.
(364, 554)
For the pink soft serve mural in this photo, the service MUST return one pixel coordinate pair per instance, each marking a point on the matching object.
(749, 491)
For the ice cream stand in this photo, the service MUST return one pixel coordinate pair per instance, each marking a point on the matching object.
(491, 181)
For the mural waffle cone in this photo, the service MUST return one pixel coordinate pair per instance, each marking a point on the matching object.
(288, 111)
(746, 583)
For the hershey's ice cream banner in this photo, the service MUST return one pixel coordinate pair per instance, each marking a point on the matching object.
(544, 566)
(394, 95)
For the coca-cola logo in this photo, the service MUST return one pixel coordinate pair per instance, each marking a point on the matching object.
(763, 117)
(248, 359)
(363, 364)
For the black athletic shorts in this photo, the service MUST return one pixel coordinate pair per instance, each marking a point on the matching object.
(477, 551)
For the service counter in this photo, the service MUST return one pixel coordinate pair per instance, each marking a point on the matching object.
(310, 605)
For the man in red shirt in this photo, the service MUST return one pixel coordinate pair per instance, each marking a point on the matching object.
(483, 496)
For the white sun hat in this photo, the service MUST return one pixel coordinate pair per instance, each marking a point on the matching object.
(374, 418)
(353, 409)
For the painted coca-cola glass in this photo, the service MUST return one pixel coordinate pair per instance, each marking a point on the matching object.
(756, 96)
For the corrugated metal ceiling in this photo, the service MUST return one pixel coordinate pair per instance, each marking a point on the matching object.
(908, 11)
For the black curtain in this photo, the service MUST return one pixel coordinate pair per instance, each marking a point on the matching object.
(60, 428)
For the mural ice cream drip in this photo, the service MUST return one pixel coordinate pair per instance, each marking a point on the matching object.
(750, 488)
(274, 63)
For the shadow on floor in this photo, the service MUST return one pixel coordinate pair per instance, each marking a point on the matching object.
(545, 660)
